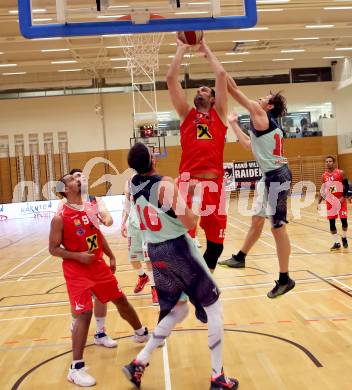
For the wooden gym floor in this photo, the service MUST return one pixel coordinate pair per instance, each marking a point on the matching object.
(300, 341)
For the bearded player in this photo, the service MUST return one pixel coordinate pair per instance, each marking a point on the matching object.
(203, 133)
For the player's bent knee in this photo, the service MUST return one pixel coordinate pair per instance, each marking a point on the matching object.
(85, 316)
(258, 222)
(344, 223)
(212, 253)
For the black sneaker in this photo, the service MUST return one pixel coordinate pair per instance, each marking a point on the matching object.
(336, 246)
(134, 372)
(233, 262)
(344, 242)
(222, 382)
(281, 289)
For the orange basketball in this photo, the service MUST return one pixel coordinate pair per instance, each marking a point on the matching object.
(191, 37)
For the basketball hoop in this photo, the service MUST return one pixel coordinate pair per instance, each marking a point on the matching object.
(141, 50)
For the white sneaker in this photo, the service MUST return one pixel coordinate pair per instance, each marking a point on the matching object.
(80, 377)
(196, 242)
(104, 340)
(141, 338)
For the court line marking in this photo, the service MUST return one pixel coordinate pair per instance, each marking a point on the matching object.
(23, 262)
(300, 347)
(303, 321)
(157, 308)
(167, 376)
(342, 284)
(330, 283)
(34, 268)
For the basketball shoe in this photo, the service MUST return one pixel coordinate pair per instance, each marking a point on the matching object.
(103, 339)
(222, 382)
(344, 242)
(281, 289)
(336, 247)
(141, 338)
(155, 298)
(233, 262)
(79, 376)
(134, 372)
(142, 281)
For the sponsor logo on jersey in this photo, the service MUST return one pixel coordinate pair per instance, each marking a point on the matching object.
(78, 306)
(92, 242)
(77, 222)
(80, 232)
(203, 131)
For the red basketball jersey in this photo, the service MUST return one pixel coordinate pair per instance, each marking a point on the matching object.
(332, 182)
(202, 143)
(80, 234)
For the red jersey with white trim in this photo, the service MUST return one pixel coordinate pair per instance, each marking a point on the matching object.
(202, 142)
(332, 182)
(80, 234)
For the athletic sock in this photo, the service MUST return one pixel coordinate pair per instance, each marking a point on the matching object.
(141, 272)
(140, 332)
(283, 278)
(241, 256)
(344, 234)
(162, 331)
(215, 336)
(100, 323)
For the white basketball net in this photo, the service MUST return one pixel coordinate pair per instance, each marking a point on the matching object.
(141, 51)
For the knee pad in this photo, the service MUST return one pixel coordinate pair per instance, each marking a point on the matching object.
(212, 253)
(332, 223)
(344, 223)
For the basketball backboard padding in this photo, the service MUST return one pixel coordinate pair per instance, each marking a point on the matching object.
(30, 31)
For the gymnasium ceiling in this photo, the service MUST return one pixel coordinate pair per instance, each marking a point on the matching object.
(274, 49)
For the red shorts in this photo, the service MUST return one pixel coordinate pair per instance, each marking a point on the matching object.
(336, 209)
(213, 217)
(85, 280)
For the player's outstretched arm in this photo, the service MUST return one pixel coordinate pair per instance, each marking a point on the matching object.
(126, 210)
(169, 196)
(243, 138)
(177, 95)
(258, 116)
(103, 213)
(220, 80)
(55, 241)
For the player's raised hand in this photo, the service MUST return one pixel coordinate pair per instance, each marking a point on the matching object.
(232, 117)
(86, 257)
(181, 44)
(203, 48)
